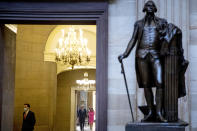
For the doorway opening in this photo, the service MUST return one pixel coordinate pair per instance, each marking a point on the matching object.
(37, 75)
(81, 97)
(76, 78)
(50, 13)
(87, 98)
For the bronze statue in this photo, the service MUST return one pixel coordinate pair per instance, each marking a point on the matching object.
(148, 34)
(159, 63)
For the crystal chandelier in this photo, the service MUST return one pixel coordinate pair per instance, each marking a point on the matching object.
(72, 49)
(86, 83)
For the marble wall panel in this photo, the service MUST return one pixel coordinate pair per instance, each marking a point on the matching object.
(193, 37)
(122, 16)
(116, 128)
(193, 62)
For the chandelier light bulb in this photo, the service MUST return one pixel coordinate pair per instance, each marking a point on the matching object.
(81, 33)
(60, 42)
(88, 52)
(59, 54)
(62, 33)
(85, 42)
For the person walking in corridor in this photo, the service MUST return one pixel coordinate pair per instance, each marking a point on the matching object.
(81, 117)
(91, 117)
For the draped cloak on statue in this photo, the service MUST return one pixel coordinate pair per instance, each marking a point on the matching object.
(172, 45)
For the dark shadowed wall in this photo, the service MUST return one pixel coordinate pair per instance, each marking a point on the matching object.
(7, 66)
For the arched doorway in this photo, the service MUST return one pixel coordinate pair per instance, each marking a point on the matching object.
(66, 102)
(70, 96)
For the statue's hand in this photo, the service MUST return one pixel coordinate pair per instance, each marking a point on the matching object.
(121, 57)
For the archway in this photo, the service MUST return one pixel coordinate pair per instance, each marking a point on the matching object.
(67, 90)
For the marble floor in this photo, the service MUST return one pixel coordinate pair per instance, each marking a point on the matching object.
(86, 128)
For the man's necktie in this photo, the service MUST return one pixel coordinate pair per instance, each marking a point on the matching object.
(25, 115)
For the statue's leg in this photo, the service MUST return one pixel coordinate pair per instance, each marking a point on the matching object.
(149, 97)
(159, 102)
(150, 103)
(157, 74)
(144, 72)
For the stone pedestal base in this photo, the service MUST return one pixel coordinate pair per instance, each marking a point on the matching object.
(140, 126)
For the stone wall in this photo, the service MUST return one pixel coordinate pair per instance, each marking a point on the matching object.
(35, 80)
(193, 62)
(122, 15)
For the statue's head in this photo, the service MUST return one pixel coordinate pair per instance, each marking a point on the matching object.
(150, 7)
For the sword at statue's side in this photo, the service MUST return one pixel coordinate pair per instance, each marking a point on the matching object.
(125, 80)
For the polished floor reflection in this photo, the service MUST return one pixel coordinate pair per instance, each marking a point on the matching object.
(86, 128)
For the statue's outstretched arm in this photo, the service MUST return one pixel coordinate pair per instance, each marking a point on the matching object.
(132, 42)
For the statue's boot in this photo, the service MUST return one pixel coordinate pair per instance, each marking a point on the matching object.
(160, 117)
(148, 117)
(149, 100)
(159, 98)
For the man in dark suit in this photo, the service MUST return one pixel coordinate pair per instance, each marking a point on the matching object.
(148, 34)
(28, 119)
(81, 117)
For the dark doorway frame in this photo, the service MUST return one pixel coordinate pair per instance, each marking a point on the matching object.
(69, 13)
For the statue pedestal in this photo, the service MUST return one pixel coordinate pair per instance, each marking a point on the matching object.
(141, 126)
